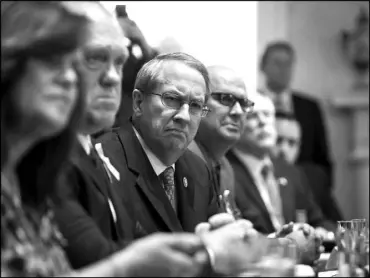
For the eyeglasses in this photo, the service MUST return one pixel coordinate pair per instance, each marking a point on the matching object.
(230, 100)
(175, 101)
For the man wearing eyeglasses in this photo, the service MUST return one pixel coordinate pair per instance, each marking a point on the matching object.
(169, 187)
(172, 187)
(222, 127)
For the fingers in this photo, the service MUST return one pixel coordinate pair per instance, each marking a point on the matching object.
(220, 220)
(240, 228)
(201, 257)
(286, 229)
(183, 265)
(245, 224)
(202, 228)
(184, 242)
(304, 227)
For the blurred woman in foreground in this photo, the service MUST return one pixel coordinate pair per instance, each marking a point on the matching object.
(40, 111)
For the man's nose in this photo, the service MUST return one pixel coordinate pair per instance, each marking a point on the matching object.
(183, 113)
(236, 109)
(111, 77)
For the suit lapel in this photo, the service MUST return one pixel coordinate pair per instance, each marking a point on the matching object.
(252, 191)
(185, 186)
(287, 191)
(147, 181)
(86, 165)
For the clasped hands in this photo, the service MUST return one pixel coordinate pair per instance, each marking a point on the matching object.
(231, 246)
(308, 240)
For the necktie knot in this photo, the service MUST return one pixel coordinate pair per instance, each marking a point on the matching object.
(266, 171)
(95, 157)
(168, 179)
(168, 175)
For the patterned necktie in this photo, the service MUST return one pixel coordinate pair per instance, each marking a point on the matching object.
(273, 190)
(168, 181)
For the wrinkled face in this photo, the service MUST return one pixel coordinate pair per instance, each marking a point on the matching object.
(224, 121)
(46, 94)
(165, 129)
(100, 66)
(259, 125)
(278, 68)
(288, 140)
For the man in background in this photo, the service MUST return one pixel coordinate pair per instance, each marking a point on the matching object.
(288, 140)
(277, 64)
(287, 148)
(222, 127)
(269, 193)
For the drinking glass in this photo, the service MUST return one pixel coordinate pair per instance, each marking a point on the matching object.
(359, 226)
(279, 259)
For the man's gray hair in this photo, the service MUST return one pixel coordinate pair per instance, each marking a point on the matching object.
(149, 76)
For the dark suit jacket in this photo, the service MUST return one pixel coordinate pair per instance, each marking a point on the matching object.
(225, 180)
(83, 214)
(195, 197)
(318, 180)
(294, 194)
(314, 148)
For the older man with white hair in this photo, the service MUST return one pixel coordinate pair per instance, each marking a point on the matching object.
(270, 193)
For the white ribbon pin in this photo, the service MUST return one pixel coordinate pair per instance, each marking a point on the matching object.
(106, 161)
(282, 181)
(185, 182)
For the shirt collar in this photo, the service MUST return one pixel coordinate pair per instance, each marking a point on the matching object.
(156, 163)
(86, 143)
(252, 163)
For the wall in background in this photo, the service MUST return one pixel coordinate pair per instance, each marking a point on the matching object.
(323, 72)
(213, 32)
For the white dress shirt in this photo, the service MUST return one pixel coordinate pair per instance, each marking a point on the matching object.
(157, 164)
(87, 145)
(255, 165)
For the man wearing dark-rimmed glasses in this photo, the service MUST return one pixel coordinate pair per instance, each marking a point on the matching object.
(222, 128)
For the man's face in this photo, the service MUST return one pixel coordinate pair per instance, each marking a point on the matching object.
(288, 140)
(259, 125)
(167, 130)
(278, 68)
(223, 121)
(100, 67)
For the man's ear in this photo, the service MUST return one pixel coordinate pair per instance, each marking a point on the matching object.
(137, 102)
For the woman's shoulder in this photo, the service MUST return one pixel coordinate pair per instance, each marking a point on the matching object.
(30, 241)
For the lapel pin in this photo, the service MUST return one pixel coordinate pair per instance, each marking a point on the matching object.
(185, 181)
(282, 181)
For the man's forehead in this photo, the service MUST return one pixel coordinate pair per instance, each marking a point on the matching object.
(227, 81)
(262, 102)
(106, 33)
(103, 26)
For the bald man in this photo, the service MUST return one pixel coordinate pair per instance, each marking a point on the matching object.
(269, 193)
(222, 127)
(94, 223)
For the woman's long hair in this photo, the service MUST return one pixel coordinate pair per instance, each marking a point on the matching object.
(39, 30)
